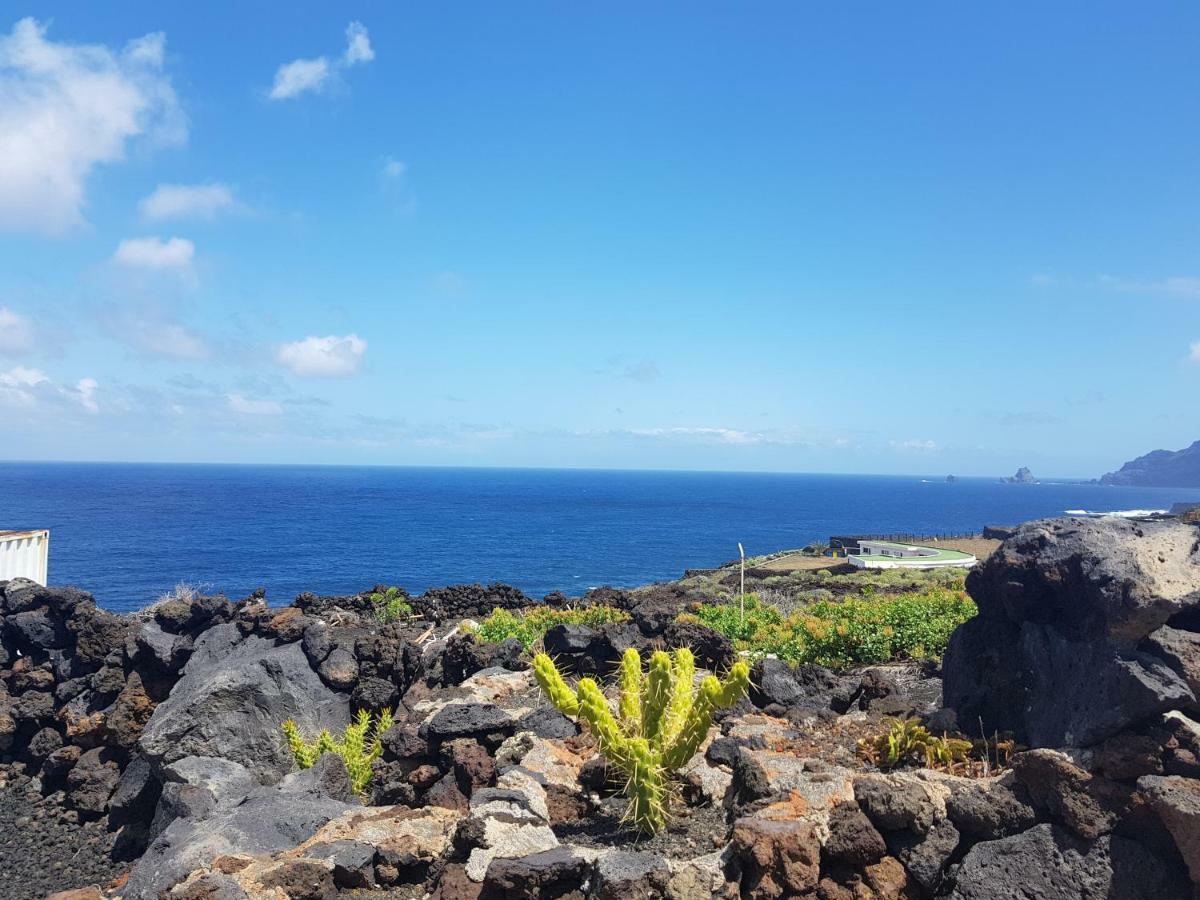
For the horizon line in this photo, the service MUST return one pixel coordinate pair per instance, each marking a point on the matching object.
(1072, 479)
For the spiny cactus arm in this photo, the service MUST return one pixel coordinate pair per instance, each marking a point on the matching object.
(683, 673)
(734, 687)
(646, 788)
(303, 752)
(324, 744)
(695, 727)
(629, 706)
(553, 686)
(383, 724)
(711, 696)
(593, 709)
(354, 741)
(656, 695)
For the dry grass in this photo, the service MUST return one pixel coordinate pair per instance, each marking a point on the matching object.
(798, 562)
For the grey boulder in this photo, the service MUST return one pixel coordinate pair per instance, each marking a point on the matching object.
(234, 695)
(1050, 863)
(1056, 654)
(267, 820)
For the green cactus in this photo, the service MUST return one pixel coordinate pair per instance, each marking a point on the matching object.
(661, 720)
(361, 745)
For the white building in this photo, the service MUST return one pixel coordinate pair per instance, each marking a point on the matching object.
(890, 555)
(24, 554)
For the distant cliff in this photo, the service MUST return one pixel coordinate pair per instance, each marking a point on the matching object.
(1160, 468)
(1022, 476)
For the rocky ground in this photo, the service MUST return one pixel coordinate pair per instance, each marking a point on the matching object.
(150, 748)
(44, 845)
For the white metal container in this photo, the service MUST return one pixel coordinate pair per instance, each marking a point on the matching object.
(24, 554)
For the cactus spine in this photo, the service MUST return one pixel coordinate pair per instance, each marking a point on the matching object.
(661, 720)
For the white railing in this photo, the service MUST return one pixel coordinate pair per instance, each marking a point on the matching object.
(24, 554)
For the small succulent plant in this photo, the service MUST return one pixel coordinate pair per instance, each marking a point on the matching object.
(661, 720)
(908, 741)
(361, 744)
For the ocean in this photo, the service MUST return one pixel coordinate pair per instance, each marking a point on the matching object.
(128, 532)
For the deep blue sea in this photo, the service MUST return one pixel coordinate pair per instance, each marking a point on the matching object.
(127, 532)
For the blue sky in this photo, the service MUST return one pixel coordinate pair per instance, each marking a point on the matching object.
(850, 238)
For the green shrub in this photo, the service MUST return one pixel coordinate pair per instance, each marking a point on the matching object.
(661, 720)
(361, 744)
(390, 605)
(907, 741)
(529, 625)
(852, 632)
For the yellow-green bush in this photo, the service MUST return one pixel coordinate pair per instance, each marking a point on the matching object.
(847, 633)
(360, 745)
(662, 718)
(529, 625)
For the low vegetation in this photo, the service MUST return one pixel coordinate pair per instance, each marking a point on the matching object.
(390, 605)
(907, 741)
(530, 625)
(661, 720)
(360, 745)
(851, 632)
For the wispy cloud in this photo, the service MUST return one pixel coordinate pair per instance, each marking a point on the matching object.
(393, 168)
(705, 435)
(622, 366)
(644, 371)
(301, 75)
(449, 284)
(914, 445)
(17, 334)
(358, 45)
(187, 201)
(248, 406)
(1194, 352)
(66, 108)
(1029, 417)
(305, 75)
(1185, 287)
(323, 357)
(28, 388)
(175, 254)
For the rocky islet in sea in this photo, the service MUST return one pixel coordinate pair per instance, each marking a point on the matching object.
(143, 754)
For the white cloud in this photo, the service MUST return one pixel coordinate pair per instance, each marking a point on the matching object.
(1194, 355)
(303, 75)
(86, 389)
(183, 201)
(155, 253)
(16, 332)
(294, 78)
(920, 446)
(393, 168)
(246, 406)
(705, 435)
(21, 386)
(64, 108)
(358, 45)
(1185, 287)
(323, 357)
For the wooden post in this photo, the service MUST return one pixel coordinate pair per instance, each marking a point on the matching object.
(742, 554)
